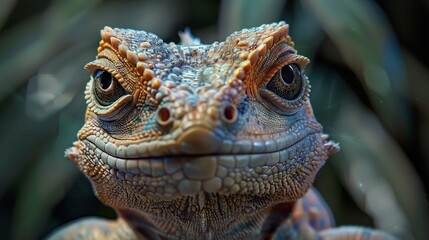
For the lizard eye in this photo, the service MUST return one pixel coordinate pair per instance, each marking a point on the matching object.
(287, 90)
(107, 88)
(287, 82)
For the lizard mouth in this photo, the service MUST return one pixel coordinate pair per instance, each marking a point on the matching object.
(238, 167)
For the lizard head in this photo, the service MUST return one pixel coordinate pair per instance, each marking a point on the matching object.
(165, 122)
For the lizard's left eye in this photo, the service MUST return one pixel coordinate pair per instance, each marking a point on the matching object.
(287, 89)
(287, 82)
(107, 88)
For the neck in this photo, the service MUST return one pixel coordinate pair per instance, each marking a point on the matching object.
(208, 216)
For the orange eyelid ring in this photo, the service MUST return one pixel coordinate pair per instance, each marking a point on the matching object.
(293, 58)
(301, 61)
(92, 67)
(281, 61)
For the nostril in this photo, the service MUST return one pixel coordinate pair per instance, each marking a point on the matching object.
(164, 116)
(230, 113)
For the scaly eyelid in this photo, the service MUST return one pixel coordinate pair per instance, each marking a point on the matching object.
(106, 65)
(272, 68)
(278, 57)
(271, 100)
(289, 57)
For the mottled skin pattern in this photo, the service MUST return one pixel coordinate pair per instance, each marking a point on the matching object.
(203, 141)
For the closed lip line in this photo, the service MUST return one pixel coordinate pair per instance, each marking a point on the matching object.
(202, 167)
(170, 149)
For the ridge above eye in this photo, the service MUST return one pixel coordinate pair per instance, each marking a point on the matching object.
(286, 83)
(106, 88)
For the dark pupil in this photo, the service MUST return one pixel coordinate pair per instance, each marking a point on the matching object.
(107, 88)
(104, 79)
(287, 74)
(287, 82)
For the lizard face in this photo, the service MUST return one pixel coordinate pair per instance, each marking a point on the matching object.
(165, 122)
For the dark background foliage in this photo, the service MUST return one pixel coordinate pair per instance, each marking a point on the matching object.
(370, 78)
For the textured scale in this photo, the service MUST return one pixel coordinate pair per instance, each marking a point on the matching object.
(192, 142)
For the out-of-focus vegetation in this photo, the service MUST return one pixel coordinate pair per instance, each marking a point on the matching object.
(370, 78)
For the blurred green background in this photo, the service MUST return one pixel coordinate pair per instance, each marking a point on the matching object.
(370, 89)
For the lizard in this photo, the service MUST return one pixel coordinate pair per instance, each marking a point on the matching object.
(199, 141)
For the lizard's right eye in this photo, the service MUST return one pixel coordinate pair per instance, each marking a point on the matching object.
(107, 89)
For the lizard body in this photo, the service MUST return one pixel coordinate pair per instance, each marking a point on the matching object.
(203, 141)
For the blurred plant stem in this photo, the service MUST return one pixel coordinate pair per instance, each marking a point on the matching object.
(6, 7)
(368, 46)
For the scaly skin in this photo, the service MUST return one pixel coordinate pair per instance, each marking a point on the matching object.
(203, 142)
